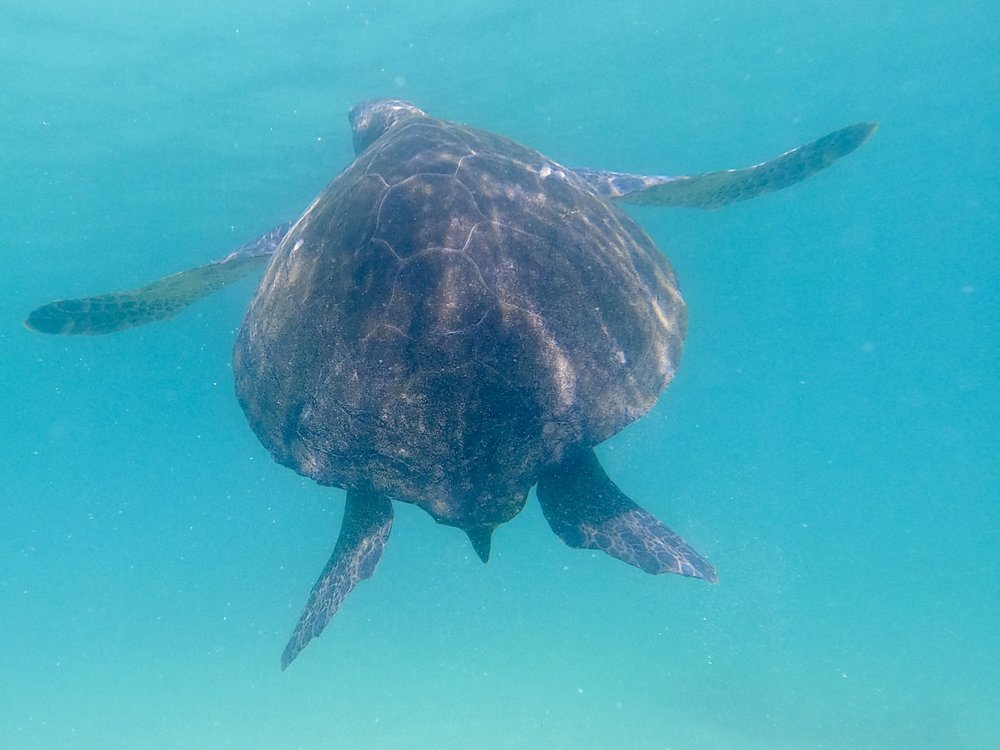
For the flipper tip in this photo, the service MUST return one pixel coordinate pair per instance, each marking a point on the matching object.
(46, 319)
(289, 654)
(868, 128)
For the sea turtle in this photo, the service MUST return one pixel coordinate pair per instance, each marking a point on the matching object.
(455, 319)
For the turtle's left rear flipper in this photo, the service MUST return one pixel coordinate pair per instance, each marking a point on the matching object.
(718, 189)
(363, 533)
(587, 510)
(160, 300)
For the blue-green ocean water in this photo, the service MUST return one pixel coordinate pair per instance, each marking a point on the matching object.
(831, 441)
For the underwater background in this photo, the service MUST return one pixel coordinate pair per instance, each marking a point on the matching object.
(831, 442)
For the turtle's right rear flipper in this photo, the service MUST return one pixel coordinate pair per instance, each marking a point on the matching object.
(587, 510)
(160, 300)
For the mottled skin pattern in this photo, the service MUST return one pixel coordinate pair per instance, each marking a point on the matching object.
(160, 300)
(718, 189)
(588, 511)
(455, 318)
(366, 526)
(453, 313)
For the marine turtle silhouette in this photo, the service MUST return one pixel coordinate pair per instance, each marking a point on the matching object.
(455, 319)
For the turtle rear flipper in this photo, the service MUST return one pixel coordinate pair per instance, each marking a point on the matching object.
(160, 300)
(718, 189)
(363, 533)
(588, 511)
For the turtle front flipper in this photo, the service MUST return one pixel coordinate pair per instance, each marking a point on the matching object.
(718, 189)
(363, 533)
(160, 300)
(587, 510)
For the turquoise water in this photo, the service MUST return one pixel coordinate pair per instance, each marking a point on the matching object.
(831, 441)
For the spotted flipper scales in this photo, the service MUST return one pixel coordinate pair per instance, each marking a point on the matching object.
(587, 510)
(160, 300)
(717, 189)
(363, 534)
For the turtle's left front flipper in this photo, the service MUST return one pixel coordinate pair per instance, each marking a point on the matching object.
(587, 510)
(718, 189)
(160, 300)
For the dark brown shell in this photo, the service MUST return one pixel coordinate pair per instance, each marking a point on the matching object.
(452, 313)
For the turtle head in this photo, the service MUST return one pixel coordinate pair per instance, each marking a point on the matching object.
(373, 117)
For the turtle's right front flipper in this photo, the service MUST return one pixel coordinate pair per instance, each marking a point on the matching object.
(363, 533)
(160, 300)
(717, 189)
(587, 510)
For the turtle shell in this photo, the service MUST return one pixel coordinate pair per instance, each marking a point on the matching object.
(453, 313)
